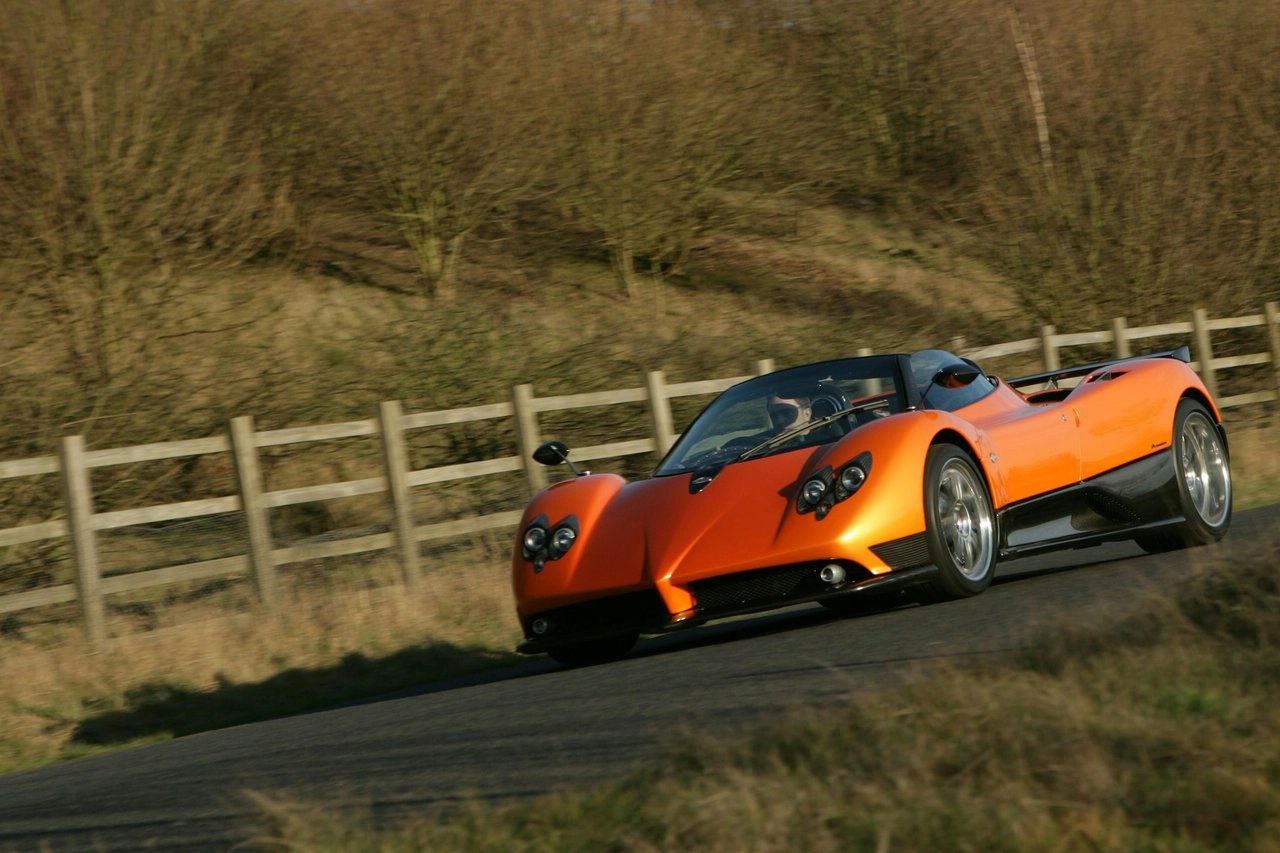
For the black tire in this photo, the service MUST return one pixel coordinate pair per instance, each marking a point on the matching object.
(964, 575)
(1202, 526)
(593, 652)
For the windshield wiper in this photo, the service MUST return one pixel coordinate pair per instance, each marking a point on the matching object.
(801, 430)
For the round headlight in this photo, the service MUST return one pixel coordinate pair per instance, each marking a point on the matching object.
(534, 539)
(852, 477)
(562, 539)
(813, 492)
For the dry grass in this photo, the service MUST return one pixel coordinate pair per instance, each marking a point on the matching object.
(1162, 733)
(1255, 465)
(203, 668)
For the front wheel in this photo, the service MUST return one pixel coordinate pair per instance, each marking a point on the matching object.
(1204, 482)
(960, 523)
(593, 652)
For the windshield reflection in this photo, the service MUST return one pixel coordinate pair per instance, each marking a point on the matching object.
(788, 410)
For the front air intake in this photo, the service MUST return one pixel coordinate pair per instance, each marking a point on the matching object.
(766, 587)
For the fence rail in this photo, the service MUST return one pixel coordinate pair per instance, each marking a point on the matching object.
(262, 558)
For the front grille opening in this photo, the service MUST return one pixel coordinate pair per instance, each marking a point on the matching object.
(615, 614)
(761, 587)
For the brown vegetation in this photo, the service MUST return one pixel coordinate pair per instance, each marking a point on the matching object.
(1101, 161)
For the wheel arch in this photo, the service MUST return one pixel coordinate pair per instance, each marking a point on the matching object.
(948, 435)
(1194, 393)
(1201, 397)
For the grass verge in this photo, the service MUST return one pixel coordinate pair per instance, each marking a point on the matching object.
(1160, 733)
(202, 669)
(338, 637)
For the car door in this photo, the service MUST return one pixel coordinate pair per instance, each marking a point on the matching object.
(1119, 422)
(1035, 448)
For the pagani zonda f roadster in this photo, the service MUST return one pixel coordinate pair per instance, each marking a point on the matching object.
(839, 480)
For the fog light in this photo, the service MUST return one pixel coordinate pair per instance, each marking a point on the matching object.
(540, 626)
(832, 574)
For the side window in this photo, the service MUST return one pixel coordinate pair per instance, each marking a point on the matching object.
(926, 363)
(950, 399)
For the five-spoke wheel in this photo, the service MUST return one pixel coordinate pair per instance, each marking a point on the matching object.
(960, 524)
(1203, 478)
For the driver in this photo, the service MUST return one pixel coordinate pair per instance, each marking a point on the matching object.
(786, 412)
(787, 408)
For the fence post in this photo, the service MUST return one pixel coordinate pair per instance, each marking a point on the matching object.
(1049, 348)
(395, 461)
(874, 386)
(765, 365)
(1271, 311)
(1120, 335)
(527, 435)
(664, 431)
(1204, 350)
(244, 448)
(78, 498)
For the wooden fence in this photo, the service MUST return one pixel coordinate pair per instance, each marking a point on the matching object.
(81, 523)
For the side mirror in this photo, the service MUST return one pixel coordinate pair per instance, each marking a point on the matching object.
(956, 375)
(551, 453)
(555, 453)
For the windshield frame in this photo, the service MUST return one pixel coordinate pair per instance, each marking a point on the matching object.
(908, 398)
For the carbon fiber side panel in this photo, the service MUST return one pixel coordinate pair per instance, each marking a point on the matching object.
(905, 553)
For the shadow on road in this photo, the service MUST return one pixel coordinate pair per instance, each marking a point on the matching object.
(162, 707)
(175, 709)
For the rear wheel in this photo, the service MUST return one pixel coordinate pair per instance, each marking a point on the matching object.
(603, 650)
(1203, 475)
(960, 524)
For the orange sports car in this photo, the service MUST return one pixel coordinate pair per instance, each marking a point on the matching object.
(836, 481)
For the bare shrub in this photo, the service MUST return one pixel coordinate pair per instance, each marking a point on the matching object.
(661, 111)
(425, 116)
(128, 145)
(1160, 190)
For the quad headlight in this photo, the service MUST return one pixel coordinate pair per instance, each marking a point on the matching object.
(813, 492)
(562, 540)
(542, 542)
(828, 487)
(852, 477)
(535, 538)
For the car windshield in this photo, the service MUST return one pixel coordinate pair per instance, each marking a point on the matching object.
(769, 414)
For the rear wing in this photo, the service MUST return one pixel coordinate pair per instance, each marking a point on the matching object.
(1182, 354)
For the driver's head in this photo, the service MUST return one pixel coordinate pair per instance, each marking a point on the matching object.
(787, 411)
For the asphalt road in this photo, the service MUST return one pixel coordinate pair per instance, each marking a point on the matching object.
(536, 727)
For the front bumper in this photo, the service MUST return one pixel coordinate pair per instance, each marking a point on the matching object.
(645, 612)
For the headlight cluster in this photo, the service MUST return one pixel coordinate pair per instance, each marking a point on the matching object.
(542, 541)
(827, 488)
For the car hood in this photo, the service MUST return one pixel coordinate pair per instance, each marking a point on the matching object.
(657, 529)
